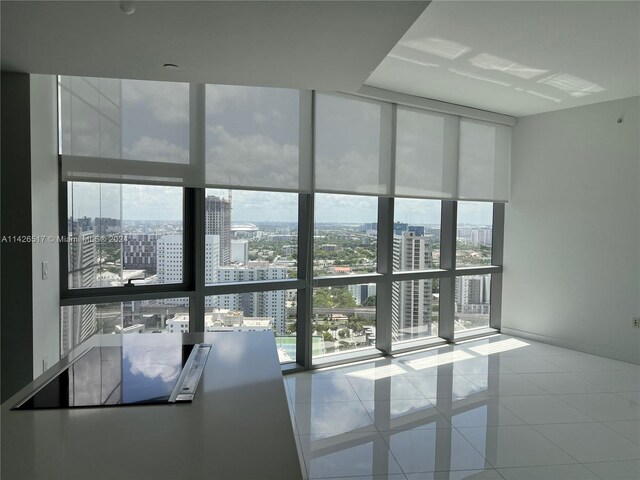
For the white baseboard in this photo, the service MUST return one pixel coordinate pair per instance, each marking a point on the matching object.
(581, 347)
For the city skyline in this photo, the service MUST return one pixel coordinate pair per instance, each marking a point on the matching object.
(158, 203)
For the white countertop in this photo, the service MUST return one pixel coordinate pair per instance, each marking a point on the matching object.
(237, 427)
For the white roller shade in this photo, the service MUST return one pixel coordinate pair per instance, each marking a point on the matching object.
(351, 145)
(168, 133)
(125, 131)
(253, 138)
(133, 131)
(485, 152)
(426, 154)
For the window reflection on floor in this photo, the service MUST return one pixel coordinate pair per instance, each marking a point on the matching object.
(464, 408)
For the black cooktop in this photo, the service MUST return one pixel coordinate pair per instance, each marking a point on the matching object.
(114, 376)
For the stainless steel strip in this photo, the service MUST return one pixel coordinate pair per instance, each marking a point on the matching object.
(187, 383)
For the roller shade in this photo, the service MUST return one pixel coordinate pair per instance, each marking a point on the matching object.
(253, 138)
(167, 133)
(485, 153)
(352, 145)
(426, 154)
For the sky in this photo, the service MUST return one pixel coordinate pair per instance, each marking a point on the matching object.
(146, 202)
(251, 140)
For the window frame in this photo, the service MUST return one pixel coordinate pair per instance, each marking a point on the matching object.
(193, 281)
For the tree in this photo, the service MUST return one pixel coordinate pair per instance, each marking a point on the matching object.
(327, 337)
(343, 333)
(370, 301)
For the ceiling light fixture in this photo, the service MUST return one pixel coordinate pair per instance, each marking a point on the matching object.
(127, 7)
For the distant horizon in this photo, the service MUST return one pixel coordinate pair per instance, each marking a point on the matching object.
(142, 203)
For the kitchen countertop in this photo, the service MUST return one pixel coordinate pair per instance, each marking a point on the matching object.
(237, 427)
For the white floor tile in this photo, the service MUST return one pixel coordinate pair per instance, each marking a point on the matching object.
(489, 474)
(481, 366)
(348, 454)
(590, 442)
(454, 387)
(494, 385)
(590, 363)
(633, 397)
(331, 418)
(541, 409)
(551, 472)
(627, 470)
(515, 446)
(488, 409)
(405, 414)
(489, 413)
(627, 428)
(433, 450)
(312, 390)
(558, 383)
(392, 388)
(604, 407)
(525, 365)
(626, 381)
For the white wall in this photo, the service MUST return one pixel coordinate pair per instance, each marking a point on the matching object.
(44, 219)
(572, 229)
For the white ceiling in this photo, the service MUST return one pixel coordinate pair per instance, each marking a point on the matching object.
(518, 58)
(320, 45)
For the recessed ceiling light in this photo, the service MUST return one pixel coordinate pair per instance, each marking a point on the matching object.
(127, 7)
(171, 66)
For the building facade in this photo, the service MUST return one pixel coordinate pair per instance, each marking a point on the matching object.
(218, 222)
(139, 252)
(411, 300)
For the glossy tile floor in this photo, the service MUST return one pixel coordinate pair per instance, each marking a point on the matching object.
(494, 408)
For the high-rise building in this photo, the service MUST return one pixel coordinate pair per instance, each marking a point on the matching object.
(170, 258)
(254, 304)
(218, 222)
(139, 252)
(239, 251)
(417, 230)
(473, 294)
(411, 305)
(78, 322)
(362, 292)
(106, 226)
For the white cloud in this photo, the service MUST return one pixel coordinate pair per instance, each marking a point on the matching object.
(218, 97)
(165, 363)
(168, 102)
(156, 149)
(151, 202)
(353, 171)
(250, 160)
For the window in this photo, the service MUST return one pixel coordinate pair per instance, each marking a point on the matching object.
(474, 234)
(473, 302)
(252, 137)
(348, 154)
(345, 234)
(125, 119)
(344, 318)
(274, 310)
(416, 234)
(343, 224)
(121, 233)
(250, 236)
(79, 322)
(415, 309)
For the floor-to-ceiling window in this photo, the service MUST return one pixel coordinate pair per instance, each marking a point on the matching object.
(347, 226)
